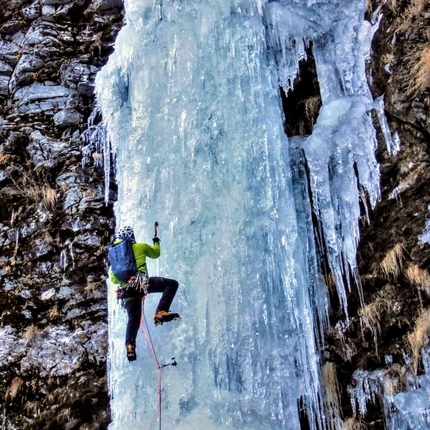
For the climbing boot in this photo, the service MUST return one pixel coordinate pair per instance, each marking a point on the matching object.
(131, 352)
(161, 317)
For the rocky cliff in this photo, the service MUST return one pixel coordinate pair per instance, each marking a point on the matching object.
(54, 223)
(380, 351)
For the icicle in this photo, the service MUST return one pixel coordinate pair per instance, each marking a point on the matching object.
(424, 237)
(4, 421)
(97, 148)
(366, 388)
(15, 252)
(377, 15)
(392, 143)
(72, 255)
(63, 259)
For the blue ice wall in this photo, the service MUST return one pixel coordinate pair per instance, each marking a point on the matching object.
(192, 108)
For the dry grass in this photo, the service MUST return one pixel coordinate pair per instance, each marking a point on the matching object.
(14, 387)
(391, 387)
(49, 198)
(44, 194)
(411, 13)
(353, 424)
(371, 313)
(329, 281)
(312, 107)
(369, 7)
(414, 64)
(54, 312)
(87, 427)
(93, 286)
(415, 68)
(392, 262)
(32, 407)
(393, 5)
(419, 337)
(418, 277)
(331, 386)
(31, 188)
(388, 58)
(394, 380)
(30, 333)
(421, 72)
(5, 158)
(15, 215)
(65, 413)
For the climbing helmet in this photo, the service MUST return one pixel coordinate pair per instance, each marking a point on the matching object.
(125, 232)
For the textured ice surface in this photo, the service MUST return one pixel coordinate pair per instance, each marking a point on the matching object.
(191, 103)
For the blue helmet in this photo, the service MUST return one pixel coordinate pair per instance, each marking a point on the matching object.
(125, 232)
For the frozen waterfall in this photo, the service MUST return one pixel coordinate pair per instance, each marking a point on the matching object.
(192, 108)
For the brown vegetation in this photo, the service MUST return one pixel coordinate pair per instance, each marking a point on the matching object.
(419, 336)
(418, 277)
(353, 424)
(392, 262)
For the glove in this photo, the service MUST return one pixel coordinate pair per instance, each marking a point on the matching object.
(155, 240)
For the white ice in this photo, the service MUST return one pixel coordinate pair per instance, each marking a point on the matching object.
(191, 103)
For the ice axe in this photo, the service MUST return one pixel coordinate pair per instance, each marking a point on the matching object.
(155, 229)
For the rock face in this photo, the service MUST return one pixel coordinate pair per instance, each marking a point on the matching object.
(54, 222)
(370, 360)
(379, 353)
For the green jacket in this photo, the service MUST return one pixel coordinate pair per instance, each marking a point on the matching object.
(140, 251)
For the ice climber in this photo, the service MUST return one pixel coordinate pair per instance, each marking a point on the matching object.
(132, 291)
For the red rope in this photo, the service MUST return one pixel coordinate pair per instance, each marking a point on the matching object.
(151, 347)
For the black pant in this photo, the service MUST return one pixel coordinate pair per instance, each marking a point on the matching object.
(156, 284)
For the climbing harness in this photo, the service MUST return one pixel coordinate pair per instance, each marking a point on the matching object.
(137, 283)
(144, 327)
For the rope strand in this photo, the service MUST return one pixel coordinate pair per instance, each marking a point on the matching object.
(144, 326)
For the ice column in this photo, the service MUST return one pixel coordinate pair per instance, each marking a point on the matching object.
(191, 104)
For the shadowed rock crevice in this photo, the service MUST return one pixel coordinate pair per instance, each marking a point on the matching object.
(301, 104)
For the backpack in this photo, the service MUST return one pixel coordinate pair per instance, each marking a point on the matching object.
(121, 260)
